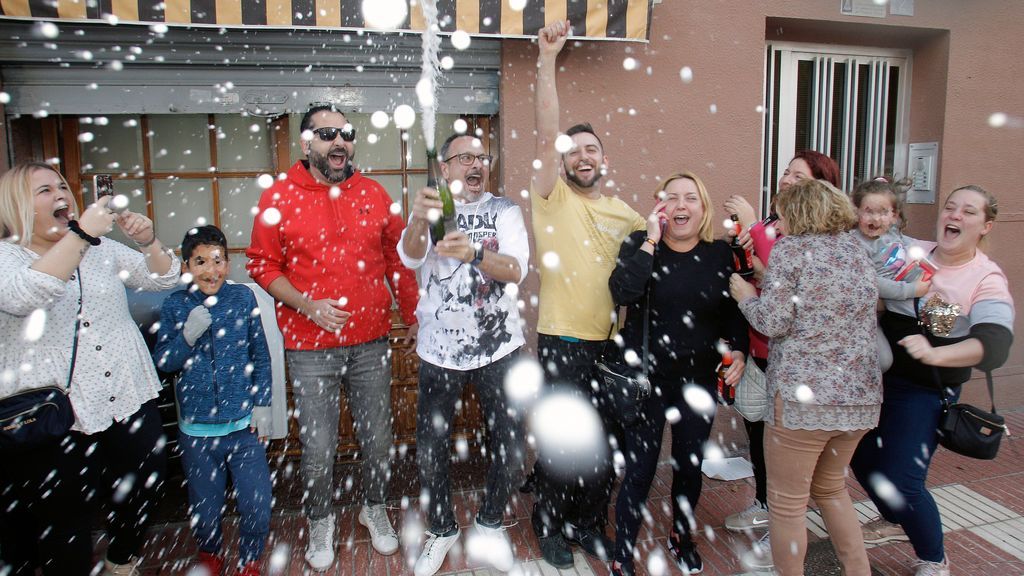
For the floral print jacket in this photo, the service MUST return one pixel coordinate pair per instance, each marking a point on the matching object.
(817, 307)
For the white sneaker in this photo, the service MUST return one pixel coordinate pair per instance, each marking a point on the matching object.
(926, 568)
(382, 534)
(759, 557)
(491, 545)
(754, 516)
(129, 569)
(434, 552)
(320, 550)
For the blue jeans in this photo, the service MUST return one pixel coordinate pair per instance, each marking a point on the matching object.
(317, 380)
(439, 390)
(207, 463)
(901, 450)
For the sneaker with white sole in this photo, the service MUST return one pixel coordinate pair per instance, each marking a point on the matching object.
(753, 516)
(382, 534)
(880, 531)
(491, 545)
(320, 549)
(926, 568)
(433, 554)
(759, 557)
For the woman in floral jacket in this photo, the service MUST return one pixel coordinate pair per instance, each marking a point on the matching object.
(817, 307)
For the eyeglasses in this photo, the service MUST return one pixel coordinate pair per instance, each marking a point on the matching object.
(466, 159)
(328, 134)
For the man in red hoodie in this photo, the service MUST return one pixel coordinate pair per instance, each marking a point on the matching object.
(324, 246)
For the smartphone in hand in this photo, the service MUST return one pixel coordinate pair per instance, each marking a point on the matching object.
(102, 185)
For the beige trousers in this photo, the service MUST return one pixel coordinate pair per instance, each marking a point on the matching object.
(811, 463)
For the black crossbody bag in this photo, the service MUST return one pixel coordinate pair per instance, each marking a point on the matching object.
(622, 386)
(963, 428)
(38, 416)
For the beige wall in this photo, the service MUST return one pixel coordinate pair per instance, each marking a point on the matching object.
(966, 66)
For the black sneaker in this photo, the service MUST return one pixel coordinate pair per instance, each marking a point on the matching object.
(685, 551)
(593, 542)
(555, 551)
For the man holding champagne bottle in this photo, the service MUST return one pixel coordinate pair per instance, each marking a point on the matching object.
(471, 250)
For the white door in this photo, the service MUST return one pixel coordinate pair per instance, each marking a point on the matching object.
(849, 103)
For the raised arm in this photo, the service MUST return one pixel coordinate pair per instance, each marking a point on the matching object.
(550, 41)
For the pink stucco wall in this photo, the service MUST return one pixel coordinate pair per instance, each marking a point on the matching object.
(966, 66)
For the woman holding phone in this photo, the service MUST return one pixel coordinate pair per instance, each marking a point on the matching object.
(679, 273)
(64, 320)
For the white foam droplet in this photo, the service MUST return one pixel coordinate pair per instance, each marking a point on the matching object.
(804, 394)
(425, 93)
(385, 14)
(564, 143)
(380, 119)
(35, 325)
(271, 216)
(461, 39)
(698, 399)
(460, 126)
(629, 63)
(404, 116)
(997, 120)
(686, 74)
(517, 5)
(550, 260)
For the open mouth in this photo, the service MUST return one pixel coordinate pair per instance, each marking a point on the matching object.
(474, 179)
(338, 158)
(681, 220)
(584, 169)
(951, 231)
(62, 213)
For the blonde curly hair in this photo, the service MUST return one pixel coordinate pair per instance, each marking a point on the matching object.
(815, 207)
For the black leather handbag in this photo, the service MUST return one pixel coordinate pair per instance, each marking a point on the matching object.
(971, 431)
(38, 416)
(623, 387)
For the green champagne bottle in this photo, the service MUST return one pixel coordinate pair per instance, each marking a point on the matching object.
(446, 223)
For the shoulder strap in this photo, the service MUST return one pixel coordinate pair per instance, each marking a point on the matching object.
(78, 321)
(935, 369)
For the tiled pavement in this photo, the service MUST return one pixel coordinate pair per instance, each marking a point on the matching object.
(982, 505)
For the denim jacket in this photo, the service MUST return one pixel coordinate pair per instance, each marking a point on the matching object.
(228, 371)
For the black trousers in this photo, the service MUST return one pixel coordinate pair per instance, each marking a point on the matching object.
(642, 448)
(560, 500)
(49, 498)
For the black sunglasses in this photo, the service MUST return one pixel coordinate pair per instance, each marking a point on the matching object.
(328, 134)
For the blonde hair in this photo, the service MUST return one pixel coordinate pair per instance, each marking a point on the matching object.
(16, 210)
(815, 207)
(706, 231)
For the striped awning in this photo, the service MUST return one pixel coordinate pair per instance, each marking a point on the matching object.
(602, 19)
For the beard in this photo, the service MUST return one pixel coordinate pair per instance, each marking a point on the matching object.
(321, 163)
(571, 176)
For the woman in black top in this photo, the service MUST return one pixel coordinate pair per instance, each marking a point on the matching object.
(687, 274)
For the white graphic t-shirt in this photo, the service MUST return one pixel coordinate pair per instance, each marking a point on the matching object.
(467, 319)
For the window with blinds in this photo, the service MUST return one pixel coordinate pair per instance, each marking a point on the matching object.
(847, 102)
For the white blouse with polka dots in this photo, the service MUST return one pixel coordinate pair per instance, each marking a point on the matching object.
(114, 373)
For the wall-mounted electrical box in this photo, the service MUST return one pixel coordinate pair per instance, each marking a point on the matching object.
(923, 172)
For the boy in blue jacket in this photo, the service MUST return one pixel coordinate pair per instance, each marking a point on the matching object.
(211, 331)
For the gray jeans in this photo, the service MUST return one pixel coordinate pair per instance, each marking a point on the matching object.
(317, 377)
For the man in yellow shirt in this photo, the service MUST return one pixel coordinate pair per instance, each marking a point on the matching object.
(578, 232)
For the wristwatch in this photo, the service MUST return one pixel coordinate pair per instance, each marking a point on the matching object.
(478, 254)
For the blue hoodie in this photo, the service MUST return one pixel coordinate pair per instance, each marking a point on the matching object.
(227, 372)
